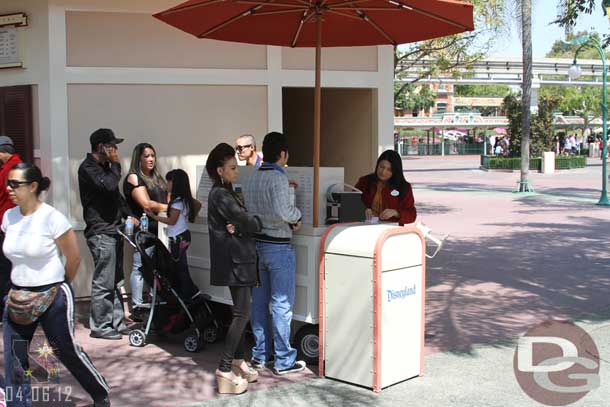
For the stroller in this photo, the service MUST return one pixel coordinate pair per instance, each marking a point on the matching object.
(168, 313)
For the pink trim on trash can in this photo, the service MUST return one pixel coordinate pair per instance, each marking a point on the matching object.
(321, 296)
(377, 299)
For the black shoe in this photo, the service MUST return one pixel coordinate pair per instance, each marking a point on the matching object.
(105, 402)
(113, 335)
(139, 314)
(298, 366)
(257, 364)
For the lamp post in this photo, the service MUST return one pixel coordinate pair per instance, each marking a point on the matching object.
(574, 72)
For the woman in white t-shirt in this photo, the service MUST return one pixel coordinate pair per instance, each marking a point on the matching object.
(36, 235)
(182, 208)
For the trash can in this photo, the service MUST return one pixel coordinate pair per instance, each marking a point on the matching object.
(372, 293)
(548, 162)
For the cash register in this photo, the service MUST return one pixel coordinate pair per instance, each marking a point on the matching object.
(344, 206)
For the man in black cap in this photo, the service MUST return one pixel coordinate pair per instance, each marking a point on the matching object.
(103, 211)
(8, 159)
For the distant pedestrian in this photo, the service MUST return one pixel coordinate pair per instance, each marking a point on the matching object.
(498, 150)
(8, 159)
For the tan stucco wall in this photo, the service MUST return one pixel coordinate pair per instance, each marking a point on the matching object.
(183, 122)
(139, 40)
(347, 130)
(333, 59)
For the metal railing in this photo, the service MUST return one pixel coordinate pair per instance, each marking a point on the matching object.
(450, 148)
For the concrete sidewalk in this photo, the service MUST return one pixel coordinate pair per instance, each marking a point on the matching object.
(483, 377)
(511, 261)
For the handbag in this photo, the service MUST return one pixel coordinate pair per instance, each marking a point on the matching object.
(25, 306)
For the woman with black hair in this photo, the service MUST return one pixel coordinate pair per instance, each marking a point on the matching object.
(232, 263)
(36, 235)
(183, 208)
(385, 193)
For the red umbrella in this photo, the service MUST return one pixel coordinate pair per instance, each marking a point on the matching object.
(299, 23)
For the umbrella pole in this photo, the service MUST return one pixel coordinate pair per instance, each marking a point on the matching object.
(316, 124)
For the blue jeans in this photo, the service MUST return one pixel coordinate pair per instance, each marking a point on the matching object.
(136, 280)
(277, 268)
(106, 303)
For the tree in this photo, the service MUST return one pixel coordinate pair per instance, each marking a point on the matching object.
(582, 101)
(570, 10)
(526, 38)
(578, 101)
(512, 106)
(542, 125)
(562, 50)
(482, 90)
(448, 53)
(420, 98)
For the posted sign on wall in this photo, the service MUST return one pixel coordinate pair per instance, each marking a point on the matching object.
(9, 49)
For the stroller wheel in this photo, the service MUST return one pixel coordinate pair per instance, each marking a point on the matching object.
(137, 338)
(210, 334)
(192, 343)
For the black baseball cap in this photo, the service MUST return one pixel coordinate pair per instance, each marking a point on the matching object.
(104, 136)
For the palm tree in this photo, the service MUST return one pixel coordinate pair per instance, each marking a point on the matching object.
(526, 39)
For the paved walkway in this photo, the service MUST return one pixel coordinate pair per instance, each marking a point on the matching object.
(511, 261)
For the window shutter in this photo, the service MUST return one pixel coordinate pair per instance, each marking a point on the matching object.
(16, 119)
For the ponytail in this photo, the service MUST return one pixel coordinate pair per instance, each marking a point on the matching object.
(32, 173)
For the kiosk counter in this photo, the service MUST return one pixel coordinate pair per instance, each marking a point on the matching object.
(306, 243)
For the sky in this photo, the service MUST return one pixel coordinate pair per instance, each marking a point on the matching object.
(545, 34)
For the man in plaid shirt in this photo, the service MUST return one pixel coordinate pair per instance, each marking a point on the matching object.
(267, 195)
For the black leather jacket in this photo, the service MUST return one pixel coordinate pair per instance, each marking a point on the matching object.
(232, 256)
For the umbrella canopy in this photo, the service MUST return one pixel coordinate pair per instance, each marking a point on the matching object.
(320, 23)
(500, 130)
(346, 23)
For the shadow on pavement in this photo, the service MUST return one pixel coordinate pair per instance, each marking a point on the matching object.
(491, 290)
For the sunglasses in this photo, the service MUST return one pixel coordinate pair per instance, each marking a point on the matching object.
(16, 184)
(241, 148)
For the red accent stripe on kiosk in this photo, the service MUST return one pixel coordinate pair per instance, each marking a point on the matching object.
(377, 299)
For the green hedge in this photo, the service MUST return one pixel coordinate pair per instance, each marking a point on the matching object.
(514, 163)
(574, 161)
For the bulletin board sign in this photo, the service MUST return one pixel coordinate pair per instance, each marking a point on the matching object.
(9, 41)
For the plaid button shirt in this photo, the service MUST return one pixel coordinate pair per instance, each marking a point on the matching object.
(267, 196)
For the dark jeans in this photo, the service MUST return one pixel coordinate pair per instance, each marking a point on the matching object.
(5, 274)
(178, 247)
(234, 342)
(106, 306)
(58, 325)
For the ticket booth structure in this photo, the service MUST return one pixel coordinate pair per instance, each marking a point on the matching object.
(372, 304)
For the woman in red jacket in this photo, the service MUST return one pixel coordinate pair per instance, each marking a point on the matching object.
(385, 193)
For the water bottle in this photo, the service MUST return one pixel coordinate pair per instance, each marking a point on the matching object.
(144, 223)
(129, 226)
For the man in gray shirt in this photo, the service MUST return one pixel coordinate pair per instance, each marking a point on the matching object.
(267, 195)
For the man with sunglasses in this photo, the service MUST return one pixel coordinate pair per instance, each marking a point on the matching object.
(104, 208)
(8, 159)
(245, 145)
